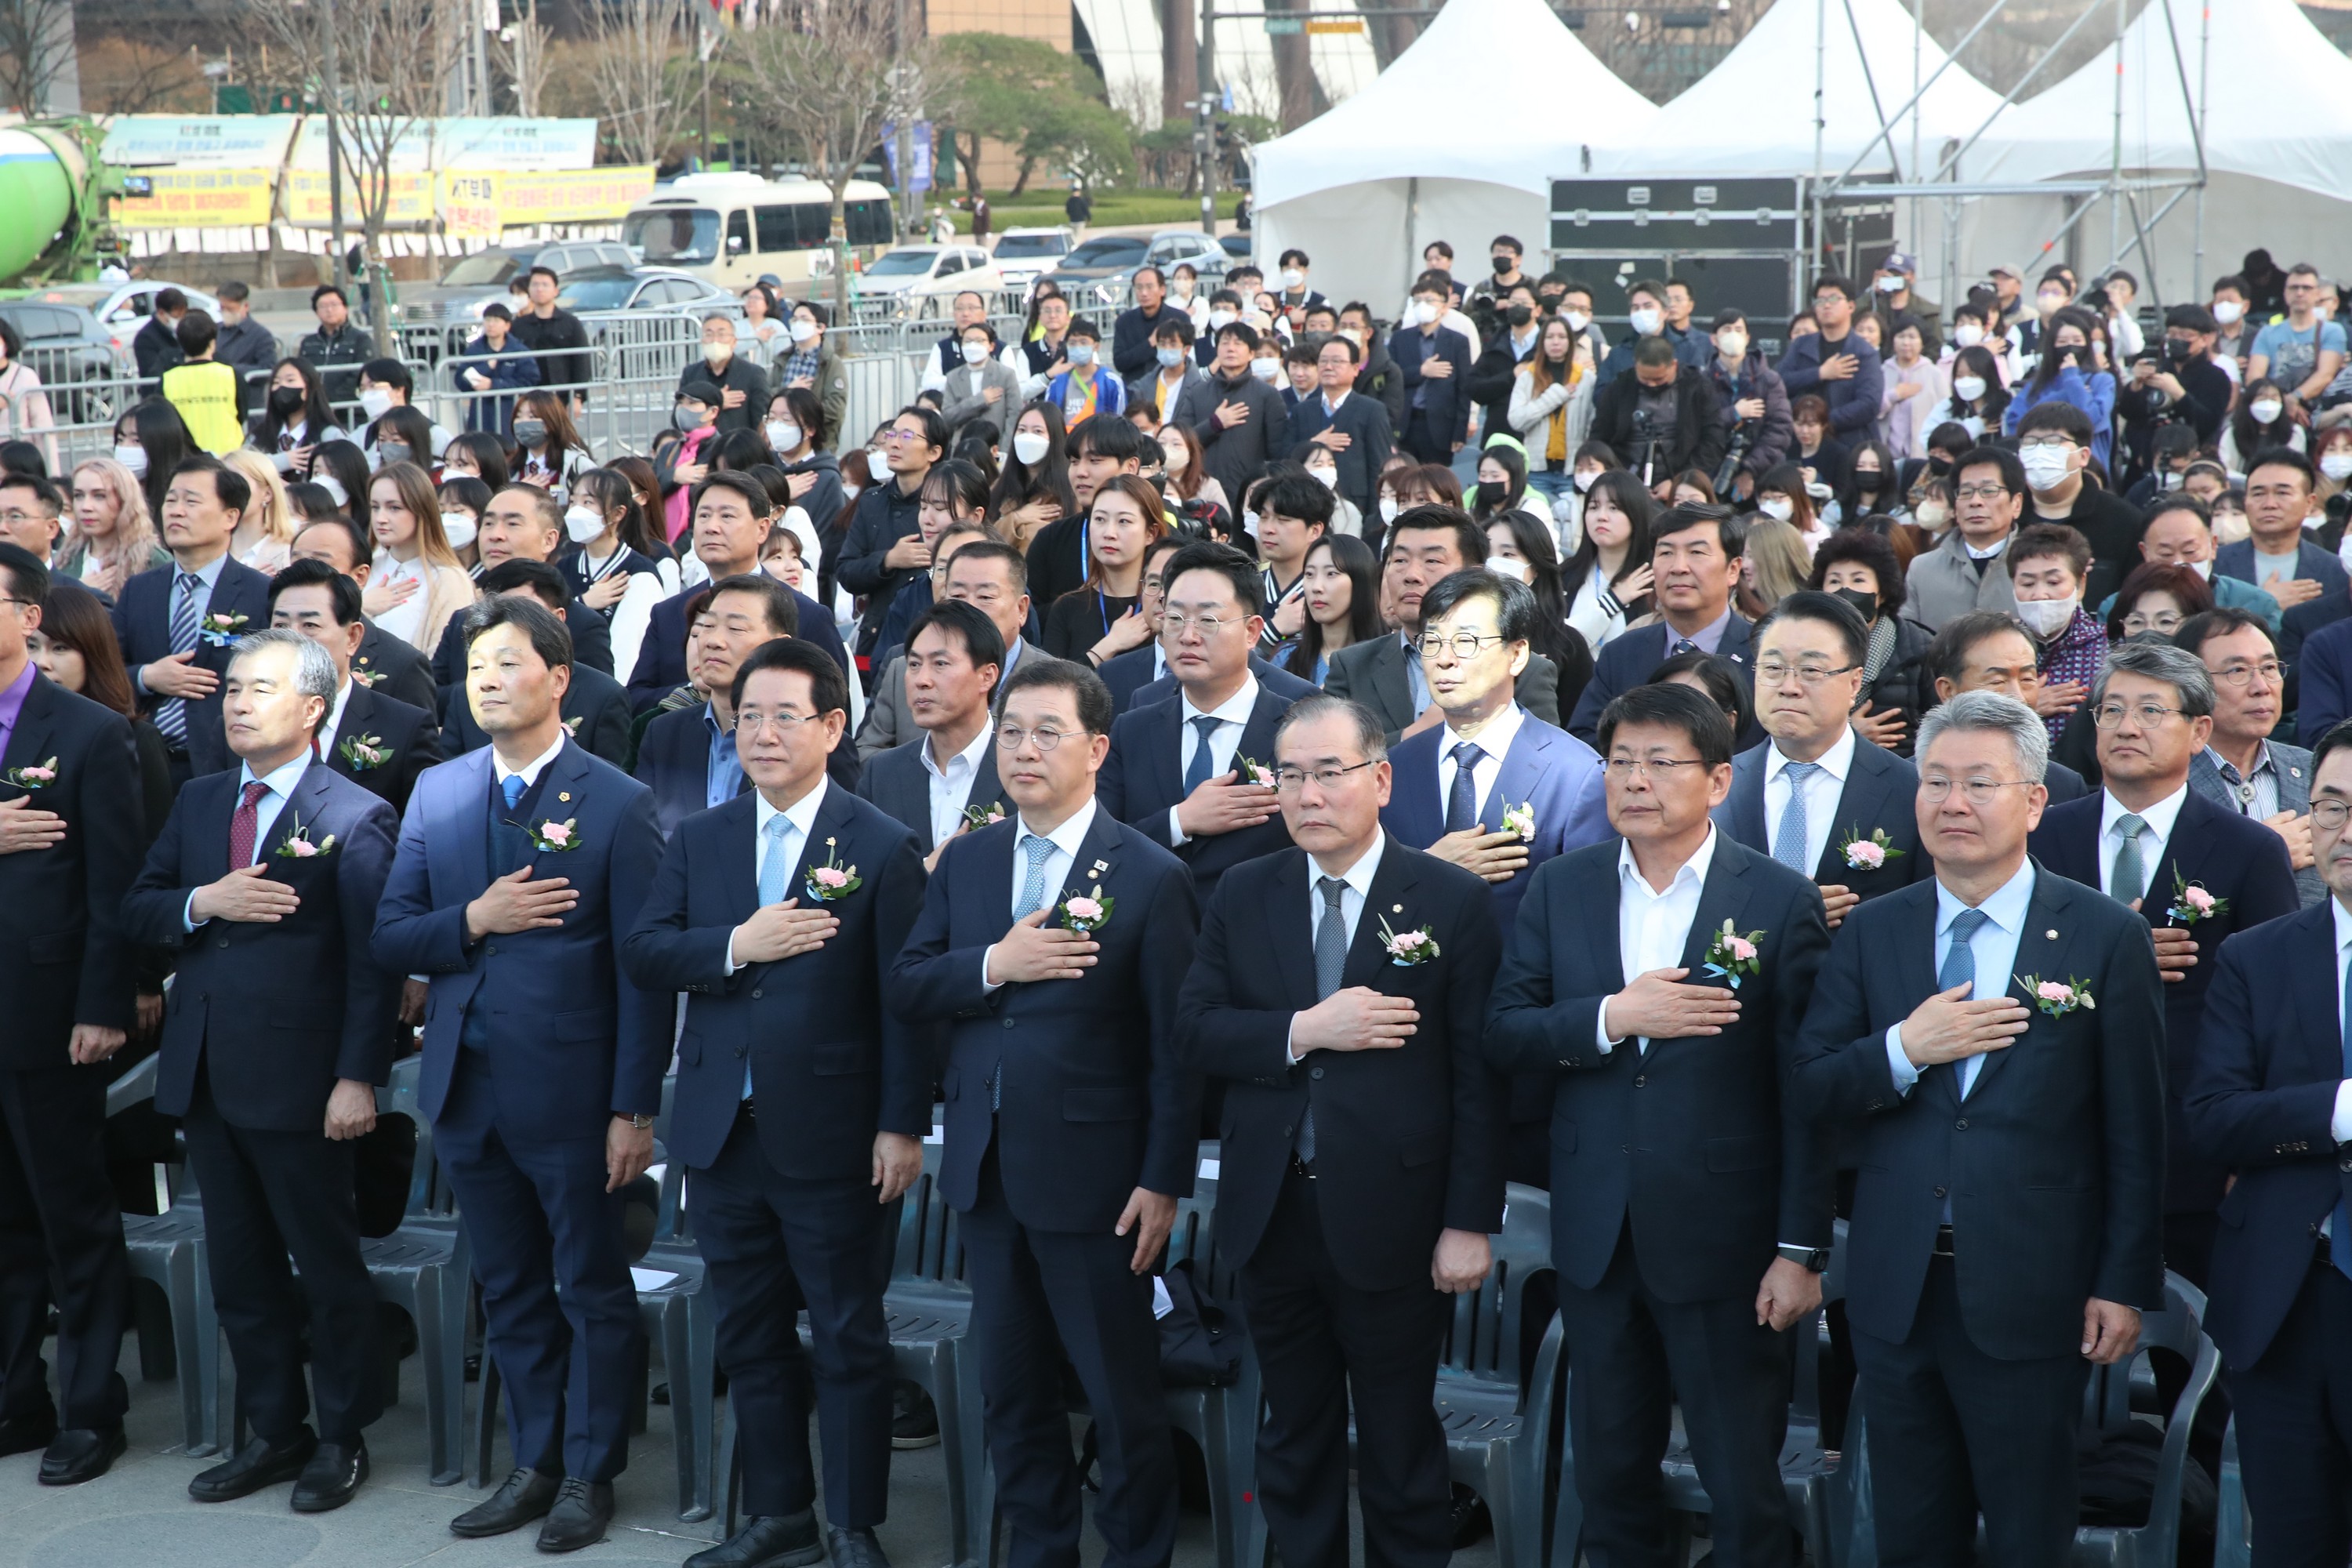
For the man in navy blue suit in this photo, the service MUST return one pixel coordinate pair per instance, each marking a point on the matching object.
(1492, 760)
(1195, 775)
(264, 885)
(1695, 558)
(1994, 1040)
(377, 741)
(731, 513)
(2269, 1099)
(176, 622)
(384, 664)
(2196, 873)
(1816, 796)
(1361, 1153)
(1141, 676)
(521, 867)
(1694, 1215)
(1052, 946)
(953, 654)
(800, 1104)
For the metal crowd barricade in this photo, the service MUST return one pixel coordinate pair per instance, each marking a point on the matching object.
(72, 416)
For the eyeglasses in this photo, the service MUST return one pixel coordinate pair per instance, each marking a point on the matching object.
(1010, 737)
(1935, 789)
(1652, 768)
(1772, 672)
(1466, 644)
(2270, 670)
(2049, 441)
(2165, 621)
(755, 723)
(1982, 492)
(2329, 815)
(1177, 621)
(1290, 780)
(2147, 715)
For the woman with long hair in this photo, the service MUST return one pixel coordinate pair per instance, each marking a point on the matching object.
(1035, 488)
(1502, 482)
(1782, 496)
(763, 318)
(464, 498)
(24, 406)
(1869, 486)
(404, 518)
(1773, 566)
(1342, 592)
(294, 414)
(264, 539)
(2262, 420)
(953, 491)
(476, 452)
(75, 646)
(1551, 406)
(403, 434)
(343, 469)
(2156, 598)
(1607, 581)
(606, 573)
(1861, 567)
(548, 450)
(114, 537)
(1188, 475)
(1519, 544)
(1692, 487)
(1103, 618)
(2073, 369)
(151, 439)
(1978, 398)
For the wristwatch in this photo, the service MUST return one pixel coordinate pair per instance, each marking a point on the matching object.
(1816, 1259)
(640, 1120)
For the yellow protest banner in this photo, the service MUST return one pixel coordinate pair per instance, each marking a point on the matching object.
(572, 196)
(200, 198)
(309, 203)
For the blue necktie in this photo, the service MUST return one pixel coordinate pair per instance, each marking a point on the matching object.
(1040, 849)
(1462, 800)
(775, 880)
(2339, 1246)
(1203, 768)
(1960, 967)
(513, 786)
(1788, 839)
(1330, 965)
(172, 713)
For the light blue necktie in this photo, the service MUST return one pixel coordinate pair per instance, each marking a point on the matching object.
(2340, 1241)
(1204, 767)
(775, 882)
(1040, 849)
(1789, 840)
(1462, 800)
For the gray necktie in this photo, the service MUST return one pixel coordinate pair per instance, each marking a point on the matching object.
(1330, 963)
(1789, 840)
(2130, 880)
(1040, 849)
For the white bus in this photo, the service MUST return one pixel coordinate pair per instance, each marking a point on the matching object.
(734, 228)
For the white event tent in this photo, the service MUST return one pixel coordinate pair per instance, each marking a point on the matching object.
(1362, 187)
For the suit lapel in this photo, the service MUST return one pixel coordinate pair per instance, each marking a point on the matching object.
(1258, 736)
(1858, 806)
(1522, 769)
(35, 721)
(2040, 951)
(2313, 938)
(1291, 921)
(301, 811)
(1390, 902)
(822, 842)
(740, 873)
(210, 848)
(1721, 897)
(1391, 687)
(1605, 894)
(1743, 814)
(464, 810)
(2182, 860)
(1165, 736)
(1095, 863)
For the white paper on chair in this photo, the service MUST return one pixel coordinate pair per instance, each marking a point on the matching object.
(651, 1279)
(1161, 1302)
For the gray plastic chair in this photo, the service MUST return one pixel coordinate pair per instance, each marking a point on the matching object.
(683, 1319)
(167, 1251)
(1223, 1422)
(425, 1269)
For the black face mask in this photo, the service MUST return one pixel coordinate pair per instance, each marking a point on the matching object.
(1939, 466)
(1865, 605)
(1866, 481)
(1503, 264)
(1552, 301)
(1519, 315)
(1493, 495)
(287, 401)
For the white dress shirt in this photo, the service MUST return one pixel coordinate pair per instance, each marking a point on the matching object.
(1494, 741)
(1653, 927)
(802, 814)
(1352, 900)
(530, 769)
(950, 785)
(1994, 948)
(1066, 839)
(333, 724)
(1823, 790)
(280, 782)
(1232, 716)
(2160, 818)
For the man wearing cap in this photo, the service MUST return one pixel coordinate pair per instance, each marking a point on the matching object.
(2009, 290)
(1895, 302)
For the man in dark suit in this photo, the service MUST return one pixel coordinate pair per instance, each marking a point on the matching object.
(994, 579)
(521, 867)
(1194, 775)
(2269, 1099)
(1385, 674)
(376, 742)
(1360, 1162)
(69, 844)
(1682, 1266)
(688, 756)
(264, 885)
(1435, 362)
(524, 522)
(2242, 769)
(595, 707)
(1992, 650)
(935, 786)
(779, 914)
(1494, 789)
(1052, 946)
(1816, 796)
(731, 513)
(1695, 558)
(1355, 428)
(2008, 1218)
(2196, 873)
(384, 663)
(175, 623)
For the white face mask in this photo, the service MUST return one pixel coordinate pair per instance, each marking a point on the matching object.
(1266, 369)
(976, 354)
(458, 525)
(334, 487)
(2202, 568)
(1577, 319)
(1731, 345)
(804, 332)
(1330, 477)
(1390, 509)
(876, 459)
(1933, 515)
(1424, 312)
(1352, 335)
(374, 400)
(1504, 566)
(1220, 319)
(1294, 279)
(717, 353)
(782, 435)
(2048, 618)
(1249, 523)
(2046, 468)
(1583, 479)
(583, 524)
(1030, 447)
(2337, 465)
(1646, 320)
(1968, 388)
(2227, 312)
(2266, 411)
(1967, 334)
(1890, 285)
(134, 458)
(1779, 508)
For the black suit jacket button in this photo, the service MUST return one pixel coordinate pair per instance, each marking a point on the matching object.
(220, 942)
(1316, 1073)
(757, 993)
(1289, 1132)
(1961, 1125)
(1624, 1148)
(1640, 1080)
(1008, 1022)
(491, 951)
(740, 1049)
(1939, 1192)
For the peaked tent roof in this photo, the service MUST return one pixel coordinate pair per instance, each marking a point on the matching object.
(2279, 103)
(1753, 113)
(1543, 92)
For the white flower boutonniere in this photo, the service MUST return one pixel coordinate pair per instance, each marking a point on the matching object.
(298, 845)
(1522, 819)
(364, 752)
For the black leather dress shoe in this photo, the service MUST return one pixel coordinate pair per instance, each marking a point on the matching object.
(80, 1454)
(771, 1541)
(581, 1511)
(524, 1496)
(854, 1549)
(23, 1433)
(260, 1463)
(332, 1478)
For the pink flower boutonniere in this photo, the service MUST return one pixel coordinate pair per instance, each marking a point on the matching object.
(1253, 773)
(1869, 854)
(2191, 902)
(2058, 997)
(1407, 948)
(298, 845)
(1731, 957)
(979, 816)
(833, 882)
(552, 836)
(35, 775)
(1088, 912)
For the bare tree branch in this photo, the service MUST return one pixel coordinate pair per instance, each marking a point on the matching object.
(638, 53)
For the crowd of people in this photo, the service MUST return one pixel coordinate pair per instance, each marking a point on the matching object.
(1419, 760)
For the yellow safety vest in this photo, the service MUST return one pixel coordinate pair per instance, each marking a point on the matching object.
(205, 392)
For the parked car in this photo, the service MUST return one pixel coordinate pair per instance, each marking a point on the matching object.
(602, 290)
(71, 350)
(1237, 245)
(121, 308)
(475, 281)
(1100, 273)
(1025, 255)
(918, 280)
